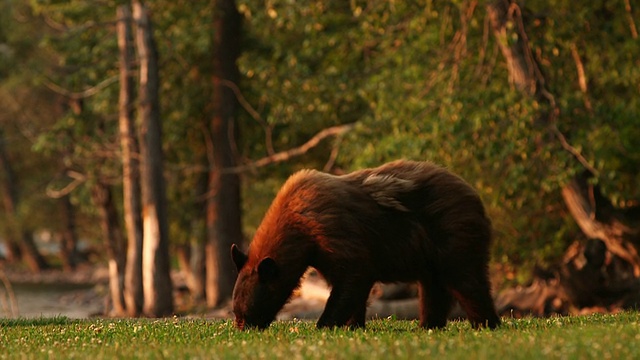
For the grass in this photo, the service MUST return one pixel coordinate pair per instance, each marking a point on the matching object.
(580, 337)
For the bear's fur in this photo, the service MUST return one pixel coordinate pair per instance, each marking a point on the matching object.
(404, 221)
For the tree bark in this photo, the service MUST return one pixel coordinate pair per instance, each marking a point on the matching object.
(30, 253)
(223, 197)
(197, 264)
(190, 258)
(103, 199)
(157, 287)
(599, 219)
(14, 254)
(199, 239)
(507, 24)
(133, 293)
(69, 244)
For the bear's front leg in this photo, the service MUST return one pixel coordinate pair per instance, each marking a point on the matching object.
(346, 306)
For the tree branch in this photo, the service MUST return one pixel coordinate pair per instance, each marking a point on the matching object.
(632, 23)
(333, 156)
(583, 204)
(78, 179)
(82, 94)
(572, 150)
(286, 155)
(254, 114)
(582, 78)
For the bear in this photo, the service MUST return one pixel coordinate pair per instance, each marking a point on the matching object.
(405, 221)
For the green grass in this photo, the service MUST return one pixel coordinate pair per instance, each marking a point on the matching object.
(583, 337)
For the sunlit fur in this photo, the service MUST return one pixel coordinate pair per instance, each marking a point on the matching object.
(401, 222)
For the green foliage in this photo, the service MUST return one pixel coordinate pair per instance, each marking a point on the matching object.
(301, 65)
(426, 81)
(602, 121)
(583, 337)
(24, 110)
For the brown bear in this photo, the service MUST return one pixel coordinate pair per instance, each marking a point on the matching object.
(404, 221)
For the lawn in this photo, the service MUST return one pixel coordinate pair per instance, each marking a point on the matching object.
(581, 337)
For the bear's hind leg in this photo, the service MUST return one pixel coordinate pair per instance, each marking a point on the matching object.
(475, 299)
(435, 303)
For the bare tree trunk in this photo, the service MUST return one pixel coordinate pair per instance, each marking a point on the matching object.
(133, 293)
(193, 253)
(223, 200)
(14, 254)
(19, 242)
(69, 247)
(599, 219)
(506, 23)
(157, 287)
(183, 255)
(191, 261)
(103, 200)
(30, 253)
(199, 240)
(198, 269)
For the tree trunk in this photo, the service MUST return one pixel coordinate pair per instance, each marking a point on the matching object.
(133, 293)
(223, 196)
(30, 253)
(183, 255)
(19, 242)
(103, 200)
(68, 247)
(14, 254)
(198, 269)
(199, 239)
(191, 261)
(599, 219)
(506, 23)
(157, 287)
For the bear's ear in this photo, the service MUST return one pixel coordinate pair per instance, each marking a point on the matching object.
(239, 258)
(267, 270)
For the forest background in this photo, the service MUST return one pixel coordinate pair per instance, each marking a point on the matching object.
(535, 104)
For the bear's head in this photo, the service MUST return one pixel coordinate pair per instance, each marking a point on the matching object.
(259, 293)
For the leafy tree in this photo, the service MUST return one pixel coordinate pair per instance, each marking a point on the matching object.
(427, 80)
(461, 110)
(156, 280)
